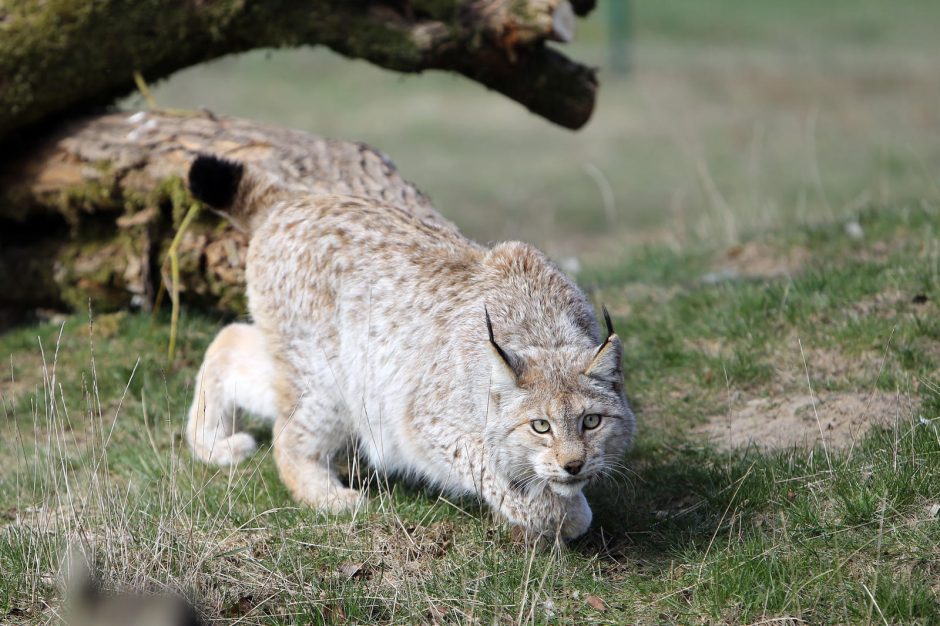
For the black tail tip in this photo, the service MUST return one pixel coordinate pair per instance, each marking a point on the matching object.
(214, 180)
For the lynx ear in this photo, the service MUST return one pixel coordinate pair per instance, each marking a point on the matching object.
(504, 366)
(608, 362)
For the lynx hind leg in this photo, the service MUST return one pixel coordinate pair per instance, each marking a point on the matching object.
(237, 375)
(306, 441)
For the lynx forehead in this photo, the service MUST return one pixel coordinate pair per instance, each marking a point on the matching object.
(477, 370)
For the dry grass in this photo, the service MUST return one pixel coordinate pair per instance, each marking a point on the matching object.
(745, 117)
(690, 533)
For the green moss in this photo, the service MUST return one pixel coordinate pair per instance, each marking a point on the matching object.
(94, 195)
(93, 264)
(102, 165)
(381, 43)
(229, 298)
(15, 203)
(173, 191)
(56, 55)
(443, 10)
(92, 270)
(88, 198)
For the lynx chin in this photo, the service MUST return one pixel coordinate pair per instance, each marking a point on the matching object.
(477, 370)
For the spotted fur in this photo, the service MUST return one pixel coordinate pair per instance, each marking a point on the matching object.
(371, 326)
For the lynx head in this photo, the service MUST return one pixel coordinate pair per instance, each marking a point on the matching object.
(557, 417)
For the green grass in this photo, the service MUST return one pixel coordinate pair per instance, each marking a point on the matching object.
(691, 534)
(748, 136)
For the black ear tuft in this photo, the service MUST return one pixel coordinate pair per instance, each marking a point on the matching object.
(502, 353)
(610, 325)
(214, 180)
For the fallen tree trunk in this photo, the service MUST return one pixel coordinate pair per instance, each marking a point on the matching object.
(59, 57)
(88, 212)
(88, 208)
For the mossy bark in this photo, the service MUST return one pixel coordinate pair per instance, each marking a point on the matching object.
(60, 56)
(88, 206)
(87, 214)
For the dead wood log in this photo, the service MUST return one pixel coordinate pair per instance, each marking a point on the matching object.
(88, 212)
(59, 57)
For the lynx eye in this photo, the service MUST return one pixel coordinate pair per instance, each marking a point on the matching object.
(591, 421)
(541, 426)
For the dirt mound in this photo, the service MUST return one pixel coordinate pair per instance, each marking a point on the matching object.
(837, 419)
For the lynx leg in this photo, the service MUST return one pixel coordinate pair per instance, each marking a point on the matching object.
(576, 517)
(546, 514)
(305, 444)
(237, 375)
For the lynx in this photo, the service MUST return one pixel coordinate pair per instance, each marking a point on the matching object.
(479, 371)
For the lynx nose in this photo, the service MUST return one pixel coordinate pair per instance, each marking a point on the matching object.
(573, 467)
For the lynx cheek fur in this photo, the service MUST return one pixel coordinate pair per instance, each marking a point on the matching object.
(477, 370)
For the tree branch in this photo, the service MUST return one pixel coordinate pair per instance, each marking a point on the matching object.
(56, 57)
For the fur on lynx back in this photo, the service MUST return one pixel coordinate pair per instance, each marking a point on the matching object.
(478, 370)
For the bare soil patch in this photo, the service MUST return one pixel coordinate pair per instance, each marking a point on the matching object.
(828, 365)
(760, 260)
(621, 301)
(836, 419)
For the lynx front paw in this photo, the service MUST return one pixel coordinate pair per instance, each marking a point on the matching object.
(342, 500)
(331, 500)
(577, 518)
(547, 518)
(226, 450)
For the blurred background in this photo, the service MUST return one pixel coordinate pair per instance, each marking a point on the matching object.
(715, 119)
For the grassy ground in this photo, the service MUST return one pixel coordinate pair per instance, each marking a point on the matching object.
(91, 437)
(769, 250)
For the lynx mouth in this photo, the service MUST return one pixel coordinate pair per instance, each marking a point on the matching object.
(574, 480)
(568, 487)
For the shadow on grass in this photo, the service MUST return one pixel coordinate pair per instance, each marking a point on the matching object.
(675, 497)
